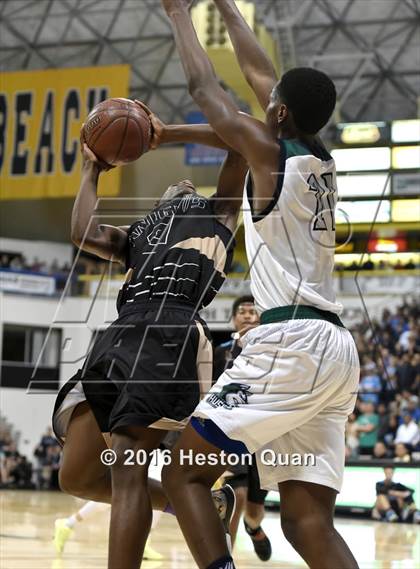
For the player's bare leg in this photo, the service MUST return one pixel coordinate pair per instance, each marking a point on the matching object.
(254, 514)
(241, 498)
(82, 473)
(188, 487)
(131, 513)
(307, 512)
(253, 517)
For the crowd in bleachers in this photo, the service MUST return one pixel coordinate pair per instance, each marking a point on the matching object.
(369, 265)
(17, 471)
(385, 423)
(20, 263)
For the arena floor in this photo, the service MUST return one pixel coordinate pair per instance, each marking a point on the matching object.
(27, 520)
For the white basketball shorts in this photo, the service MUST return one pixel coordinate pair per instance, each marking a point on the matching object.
(288, 395)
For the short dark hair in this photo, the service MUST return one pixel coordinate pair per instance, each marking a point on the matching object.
(248, 299)
(310, 95)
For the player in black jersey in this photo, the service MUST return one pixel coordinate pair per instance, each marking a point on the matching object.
(145, 374)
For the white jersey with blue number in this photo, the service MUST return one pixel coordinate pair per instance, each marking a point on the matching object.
(290, 245)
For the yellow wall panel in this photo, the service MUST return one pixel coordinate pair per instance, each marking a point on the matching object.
(41, 113)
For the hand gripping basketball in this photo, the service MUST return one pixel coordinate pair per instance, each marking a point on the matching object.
(158, 126)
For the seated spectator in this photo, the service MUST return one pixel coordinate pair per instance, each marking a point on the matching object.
(4, 261)
(383, 425)
(404, 337)
(394, 501)
(402, 399)
(352, 267)
(50, 467)
(352, 438)
(391, 430)
(368, 265)
(413, 408)
(13, 467)
(408, 432)
(401, 453)
(370, 387)
(367, 428)
(410, 264)
(17, 263)
(21, 474)
(406, 374)
(380, 451)
(41, 452)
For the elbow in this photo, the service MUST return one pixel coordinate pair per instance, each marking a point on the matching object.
(197, 91)
(76, 240)
(76, 237)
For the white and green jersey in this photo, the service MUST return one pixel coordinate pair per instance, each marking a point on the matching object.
(290, 245)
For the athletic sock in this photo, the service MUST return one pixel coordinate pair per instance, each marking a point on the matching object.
(250, 530)
(71, 521)
(223, 563)
(83, 513)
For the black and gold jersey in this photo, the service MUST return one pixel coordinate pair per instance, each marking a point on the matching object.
(178, 252)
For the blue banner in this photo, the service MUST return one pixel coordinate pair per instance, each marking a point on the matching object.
(198, 154)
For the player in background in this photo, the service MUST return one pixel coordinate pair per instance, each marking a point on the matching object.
(295, 382)
(243, 479)
(394, 501)
(177, 257)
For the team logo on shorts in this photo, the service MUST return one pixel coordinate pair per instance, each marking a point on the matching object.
(230, 396)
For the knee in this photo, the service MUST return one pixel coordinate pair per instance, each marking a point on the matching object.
(131, 465)
(73, 484)
(176, 477)
(170, 479)
(299, 532)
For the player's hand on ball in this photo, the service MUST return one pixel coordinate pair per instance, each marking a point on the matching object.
(158, 126)
(171, 6)
(89, 158)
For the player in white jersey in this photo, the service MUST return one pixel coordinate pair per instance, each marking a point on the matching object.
(288, 394)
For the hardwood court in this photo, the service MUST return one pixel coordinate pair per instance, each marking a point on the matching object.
(27, 521)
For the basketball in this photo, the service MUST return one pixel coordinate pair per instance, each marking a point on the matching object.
(118, 131)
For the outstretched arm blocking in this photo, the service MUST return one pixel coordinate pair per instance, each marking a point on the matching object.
(243, 133)
(252, 58)
(187, 133)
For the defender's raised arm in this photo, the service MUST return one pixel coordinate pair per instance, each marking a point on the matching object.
(252, 58)
(243, 133)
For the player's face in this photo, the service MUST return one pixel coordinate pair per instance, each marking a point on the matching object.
(245, 315)
(178, 190)
(389, 473)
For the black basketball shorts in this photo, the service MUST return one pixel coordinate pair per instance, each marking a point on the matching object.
(149, 368)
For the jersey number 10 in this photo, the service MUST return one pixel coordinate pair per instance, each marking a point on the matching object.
(324, 211)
